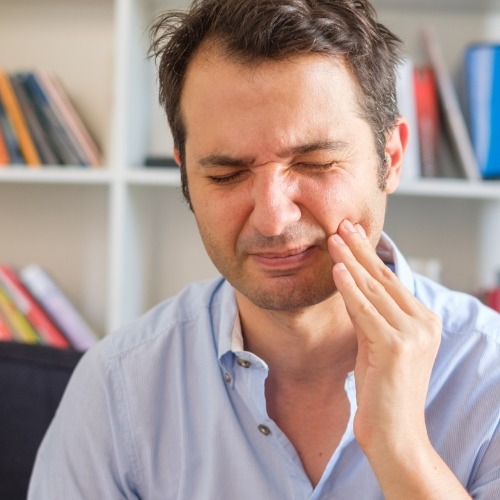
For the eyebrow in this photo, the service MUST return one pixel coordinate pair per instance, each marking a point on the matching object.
(221, 160)
(302, 149)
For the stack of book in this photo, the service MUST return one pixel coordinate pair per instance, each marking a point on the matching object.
(39, 125)
(34, 309)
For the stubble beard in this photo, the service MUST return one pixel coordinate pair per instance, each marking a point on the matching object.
(288, 291)
(289, 298)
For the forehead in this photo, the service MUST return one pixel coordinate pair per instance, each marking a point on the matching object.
(281, 103)
(212, 69)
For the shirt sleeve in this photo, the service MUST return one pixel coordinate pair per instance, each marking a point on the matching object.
(85, 452)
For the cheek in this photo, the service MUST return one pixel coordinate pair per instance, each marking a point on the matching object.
(219, 216)
(332, 203)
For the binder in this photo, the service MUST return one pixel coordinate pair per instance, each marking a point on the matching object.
(482, 87)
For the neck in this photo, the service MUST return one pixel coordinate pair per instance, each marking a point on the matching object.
(301, 346)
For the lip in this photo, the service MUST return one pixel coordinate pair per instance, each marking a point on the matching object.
(285, 258)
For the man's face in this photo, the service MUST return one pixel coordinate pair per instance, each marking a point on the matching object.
(276, 157)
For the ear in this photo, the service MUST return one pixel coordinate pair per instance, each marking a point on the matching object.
(394, 150)
(177, 157)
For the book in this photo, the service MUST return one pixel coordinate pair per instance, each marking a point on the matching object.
(68, 116)
(4, 152)
(20, 327)
(9, 137)
(51, 297)
(46, 330)
(405, 91)
(428, 119)
(160, 162)
(5, 333)
(56, 132)
(38, 134)
(13, 110)
(492, 299)
(482, 101)
(453, 116)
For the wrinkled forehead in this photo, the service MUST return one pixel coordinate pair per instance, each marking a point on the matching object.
(269, 109)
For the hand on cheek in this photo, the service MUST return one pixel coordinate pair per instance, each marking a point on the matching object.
(398, 339)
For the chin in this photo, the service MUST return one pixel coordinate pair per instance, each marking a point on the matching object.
(289, 298)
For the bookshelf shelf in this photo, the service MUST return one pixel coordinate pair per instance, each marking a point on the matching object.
(168, 176)
(120, 238)
(56, 175)
(448, 188)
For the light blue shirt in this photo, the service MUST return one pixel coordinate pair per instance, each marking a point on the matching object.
(171, 407)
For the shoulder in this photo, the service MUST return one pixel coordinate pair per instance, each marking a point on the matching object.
(196, 302)
(461, 314)
(468, 361)
(180, 322)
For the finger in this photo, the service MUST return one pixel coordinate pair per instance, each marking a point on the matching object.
(366, 255)
(374, 292)
(361, 311)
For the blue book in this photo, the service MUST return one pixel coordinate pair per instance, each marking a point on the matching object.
(482, 89)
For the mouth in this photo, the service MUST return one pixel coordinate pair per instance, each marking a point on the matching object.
(283, 258)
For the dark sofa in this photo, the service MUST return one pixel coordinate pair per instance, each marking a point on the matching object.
(32, 381)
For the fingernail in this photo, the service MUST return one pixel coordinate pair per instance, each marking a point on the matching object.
(338, 239)
(348, 226)
(361, 230)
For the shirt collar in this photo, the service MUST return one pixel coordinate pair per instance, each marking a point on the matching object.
(390, 254)
(226, 322)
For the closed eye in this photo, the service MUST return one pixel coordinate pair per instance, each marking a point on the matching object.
(226, 179)
(316, 166)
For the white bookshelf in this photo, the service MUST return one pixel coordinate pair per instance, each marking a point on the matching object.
(120, 239)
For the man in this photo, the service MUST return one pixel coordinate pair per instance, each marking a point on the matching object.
(319, 366)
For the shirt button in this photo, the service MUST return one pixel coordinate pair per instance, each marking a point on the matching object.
(244, 363)
(264, 429)
(227, 378)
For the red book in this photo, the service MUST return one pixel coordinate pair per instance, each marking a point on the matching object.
(48, 332)
(5, 334)
(493, 299)
(427, 106)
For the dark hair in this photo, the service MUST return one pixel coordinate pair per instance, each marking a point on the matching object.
(252, 30)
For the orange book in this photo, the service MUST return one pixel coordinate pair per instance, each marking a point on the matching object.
(13, 110)
(4, 153)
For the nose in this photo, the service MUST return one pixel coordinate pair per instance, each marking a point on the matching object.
(275, 207)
